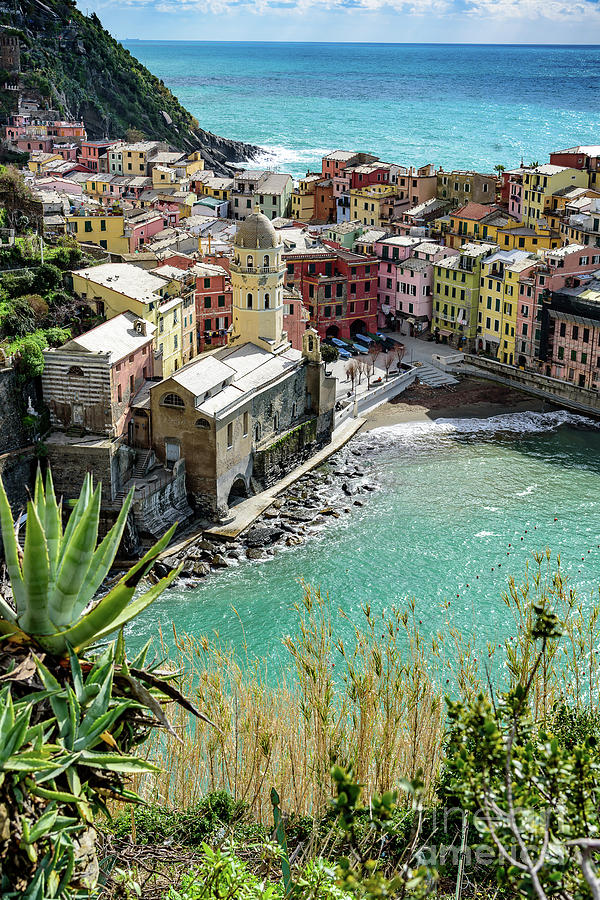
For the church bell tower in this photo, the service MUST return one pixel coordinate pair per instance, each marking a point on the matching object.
(257, 276)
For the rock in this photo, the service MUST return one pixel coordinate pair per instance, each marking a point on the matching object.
(261, 536)
(166, 117)
(278, 503)
(219, 561)
(287, 526)
(348, 490)
(206, 545)
(271, 513)
(346, 509)
(171, 562)
(255, 553)
(328, 511)
(358, 503)
(293, 540)
(301, 515)
(369, 487)
(161, 569)
(201, 569)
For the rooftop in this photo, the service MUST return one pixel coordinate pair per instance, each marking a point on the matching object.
(126, 279)
(117, 337)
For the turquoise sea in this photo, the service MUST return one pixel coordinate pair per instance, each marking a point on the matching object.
(460, 506)
(450, 104)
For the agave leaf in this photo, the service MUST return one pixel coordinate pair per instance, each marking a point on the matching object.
(143, 696)
(38, 495)
(75, 562)
(57, 697)
(11, 552)
(53, 527)
(112, 611)
(100, 703)
(102, 559)
(7, 714)
(138, 605)
(16, 736)
(28, 762)
(34, 619)
(140, 659)
(77, 675)
(96, 727)
(7, 612)
(60, 796)
(167, 688)
(116, 763)
(79, 508)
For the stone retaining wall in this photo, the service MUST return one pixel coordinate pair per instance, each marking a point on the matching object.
(284, 454)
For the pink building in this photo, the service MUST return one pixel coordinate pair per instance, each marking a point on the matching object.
(30, 142)
(67, 151)
(512, 192)
(140, 226)
(90, 381)
(59, 184)
(563, 267)
(94, 154)
(295, 317)
(406, 286)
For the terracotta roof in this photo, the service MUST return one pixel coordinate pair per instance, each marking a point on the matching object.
(474, 211)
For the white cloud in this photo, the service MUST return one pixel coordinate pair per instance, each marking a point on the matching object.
(566, 11)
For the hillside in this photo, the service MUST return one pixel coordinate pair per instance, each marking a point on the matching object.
(70, 63)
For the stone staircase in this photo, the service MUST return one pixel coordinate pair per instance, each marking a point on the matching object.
(141, 466)
(434, 377)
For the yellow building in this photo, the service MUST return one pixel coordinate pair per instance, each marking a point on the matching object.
(211, 186)
(541, 183)
(498, 302)
(488, 223)
(303, 198)
(373, 205)
(114, 288)
(165, 176)
(38, 161)
(107, 231)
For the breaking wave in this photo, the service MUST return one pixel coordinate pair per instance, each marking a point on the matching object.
(409, 434)
(278, 157)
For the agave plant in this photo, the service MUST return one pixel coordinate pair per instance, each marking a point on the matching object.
(70, 716)
(55, 578)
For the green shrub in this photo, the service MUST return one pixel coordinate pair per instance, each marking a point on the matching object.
(30, 359)
(330, 354)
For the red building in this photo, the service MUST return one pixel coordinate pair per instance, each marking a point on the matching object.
(338, 287)
(325, 205)
(214, 302)
(94, 154)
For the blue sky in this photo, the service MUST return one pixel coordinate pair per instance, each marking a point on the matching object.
(398, 21)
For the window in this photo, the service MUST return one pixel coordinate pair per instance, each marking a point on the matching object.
(584, 358)
(207, 303)
(250, 261)
(327, 312)
(561, 353)
(102, 224)
(575, 332)
(586, 335)
(202, 423)
(267, 301)
(249, 301)
(562, 329)
(173, 400)
(275, 422)
(87, 226)
(266, 261)
(573, 355)
(175, 342)
(338, 310)
(221, 300)
(131, 384)
(230, 436)
(257, 432)
(75, 372)
(245, 421)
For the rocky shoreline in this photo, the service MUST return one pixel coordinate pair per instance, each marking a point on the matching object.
(330, 492)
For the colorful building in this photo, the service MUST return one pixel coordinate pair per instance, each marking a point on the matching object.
(460, 188)
(270, 191)
(90, 381)
(499, 302)
(538, 186)
(373, 205)
(456, 286)
(406, 286)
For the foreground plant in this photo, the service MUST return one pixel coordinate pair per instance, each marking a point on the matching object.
(68, 722)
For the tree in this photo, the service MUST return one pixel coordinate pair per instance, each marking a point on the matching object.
(18, 284)
(19, 319)
(534, 792)
(30, 359)
(132, 135)
(499, 168)
(17, 198)
(330, 354)
(71, 715)
(374, 351)
(38, 306)
(47, 278)
(388, 361)
(352, 371)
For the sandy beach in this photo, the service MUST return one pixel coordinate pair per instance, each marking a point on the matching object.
(470, 398)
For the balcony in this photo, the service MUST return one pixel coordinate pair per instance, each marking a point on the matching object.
(256, 270)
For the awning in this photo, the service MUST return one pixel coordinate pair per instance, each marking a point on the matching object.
(445, 331)
(412, 320)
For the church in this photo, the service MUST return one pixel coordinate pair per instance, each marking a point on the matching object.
(242, 416)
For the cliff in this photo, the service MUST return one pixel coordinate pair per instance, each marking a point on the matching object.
(70, 63)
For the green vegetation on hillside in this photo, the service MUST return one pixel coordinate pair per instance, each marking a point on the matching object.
(72, 64)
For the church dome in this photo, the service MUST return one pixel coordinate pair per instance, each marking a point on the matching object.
(256, 233)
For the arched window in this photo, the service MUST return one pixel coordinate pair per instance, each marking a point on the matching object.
(202, 423)
(249, 301)
(173, 400)
(267, 301)
(275, 422)
(294, 411)
(257, 432)
(75, 372)
(250, 261)
(266, 261)
(311, 343)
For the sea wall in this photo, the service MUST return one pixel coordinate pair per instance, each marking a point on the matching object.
(562, 393)
(286, 452)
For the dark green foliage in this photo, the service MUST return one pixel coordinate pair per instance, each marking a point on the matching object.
(189, 827)
(19, 319)
(330, 354)
(30, 359)
(18, 284)
(47, 278)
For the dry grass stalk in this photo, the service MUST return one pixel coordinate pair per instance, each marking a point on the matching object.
(376, 702)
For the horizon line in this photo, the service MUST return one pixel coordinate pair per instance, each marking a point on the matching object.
(372, 43)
